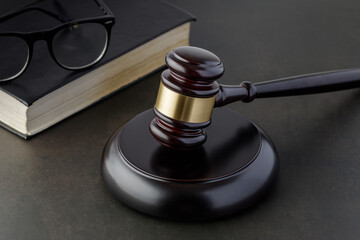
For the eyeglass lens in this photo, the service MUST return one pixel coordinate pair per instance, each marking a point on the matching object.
(14, 55)
(80, 45)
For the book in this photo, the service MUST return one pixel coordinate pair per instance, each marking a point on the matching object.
(144, 32)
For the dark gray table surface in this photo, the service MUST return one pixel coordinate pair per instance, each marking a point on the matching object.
(51, 188)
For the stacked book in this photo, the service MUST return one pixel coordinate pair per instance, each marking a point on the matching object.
(143, 33)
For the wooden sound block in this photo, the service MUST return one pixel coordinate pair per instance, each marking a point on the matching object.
(232, 171)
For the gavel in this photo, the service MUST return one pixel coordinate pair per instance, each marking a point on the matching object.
(189, 180)
(188, 93)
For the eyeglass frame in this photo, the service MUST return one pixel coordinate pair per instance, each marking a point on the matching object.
(108, 20)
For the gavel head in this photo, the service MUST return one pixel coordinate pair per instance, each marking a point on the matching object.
(186, 97)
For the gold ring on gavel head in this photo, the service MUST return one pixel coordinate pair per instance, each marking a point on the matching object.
(184, 108)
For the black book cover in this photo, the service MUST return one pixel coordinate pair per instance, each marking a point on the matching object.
(137, 22)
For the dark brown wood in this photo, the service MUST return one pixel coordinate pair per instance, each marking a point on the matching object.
(227, 94)
(231, 172)
(193, 71)
(176, 134)
(291, 86)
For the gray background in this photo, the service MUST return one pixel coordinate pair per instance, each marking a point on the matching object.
(51, 188)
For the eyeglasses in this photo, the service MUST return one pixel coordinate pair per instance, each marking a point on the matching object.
(74, 45)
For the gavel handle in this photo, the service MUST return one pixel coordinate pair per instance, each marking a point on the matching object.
(291, 86)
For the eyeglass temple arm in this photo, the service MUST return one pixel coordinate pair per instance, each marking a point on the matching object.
(63, 19)
(104, 8)
(100, 3)
(26, 9)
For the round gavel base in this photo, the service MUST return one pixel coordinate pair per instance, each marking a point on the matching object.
(232, 171)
